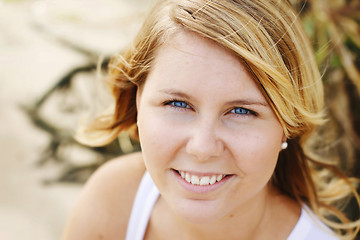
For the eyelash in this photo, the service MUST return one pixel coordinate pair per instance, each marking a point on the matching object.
(172, 103)
(247, 111)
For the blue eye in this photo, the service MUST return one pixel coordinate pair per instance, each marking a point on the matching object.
(178, 104)
(241, 111)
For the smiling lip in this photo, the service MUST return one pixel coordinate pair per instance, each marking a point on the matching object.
(200, 183)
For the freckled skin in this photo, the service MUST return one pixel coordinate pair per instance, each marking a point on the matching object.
(206, 134)
(199, 111)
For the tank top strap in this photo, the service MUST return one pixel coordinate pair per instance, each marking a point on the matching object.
(145, 199)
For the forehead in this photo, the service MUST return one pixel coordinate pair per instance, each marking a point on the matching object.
(193, 47)
(189, 61)
(193, 52)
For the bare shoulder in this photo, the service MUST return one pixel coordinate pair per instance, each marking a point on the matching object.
(104, 206)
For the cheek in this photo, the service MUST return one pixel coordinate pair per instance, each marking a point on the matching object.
(257, 152)
(158, 138)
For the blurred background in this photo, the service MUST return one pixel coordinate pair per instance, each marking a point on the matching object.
(49, 52)
(41, 43)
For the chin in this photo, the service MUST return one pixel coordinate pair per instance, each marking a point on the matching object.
(199, 211)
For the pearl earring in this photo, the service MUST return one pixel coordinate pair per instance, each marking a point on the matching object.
(284, 145)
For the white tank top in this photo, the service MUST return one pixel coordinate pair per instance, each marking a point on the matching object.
(308, 227)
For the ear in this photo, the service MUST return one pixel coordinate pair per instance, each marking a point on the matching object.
(138, 93)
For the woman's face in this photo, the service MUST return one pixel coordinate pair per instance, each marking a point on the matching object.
(209, 138)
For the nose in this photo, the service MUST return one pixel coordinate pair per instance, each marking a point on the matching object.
(204, 142)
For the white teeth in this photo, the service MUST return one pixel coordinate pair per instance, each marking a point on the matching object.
(203, 181)
(187, 177)
(213, 180)
(195, 180)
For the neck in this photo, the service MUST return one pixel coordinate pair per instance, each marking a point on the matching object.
(243, 223)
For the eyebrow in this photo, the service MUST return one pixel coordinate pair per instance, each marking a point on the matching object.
(248, 102)
(243, 102)
(175, 93)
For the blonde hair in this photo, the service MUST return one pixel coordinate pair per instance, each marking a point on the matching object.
(268, 38)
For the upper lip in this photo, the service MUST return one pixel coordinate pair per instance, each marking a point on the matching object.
(200, 174)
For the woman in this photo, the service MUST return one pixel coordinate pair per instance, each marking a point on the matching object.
(223, 96)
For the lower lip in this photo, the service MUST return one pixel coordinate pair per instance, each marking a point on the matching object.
(200, 189)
